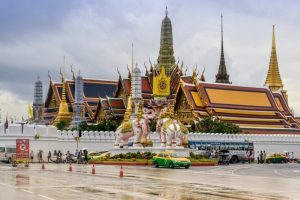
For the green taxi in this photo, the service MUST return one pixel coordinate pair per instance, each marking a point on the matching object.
(171, 160)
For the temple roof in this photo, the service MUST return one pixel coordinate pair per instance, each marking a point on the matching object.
(93, 89)
(248, 107)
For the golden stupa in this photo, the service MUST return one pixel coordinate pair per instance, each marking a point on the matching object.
(63, 112)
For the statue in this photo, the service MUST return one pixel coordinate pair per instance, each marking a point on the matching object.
(137, 128)
(172, 132)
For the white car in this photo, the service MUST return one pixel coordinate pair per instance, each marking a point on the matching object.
(6, 152)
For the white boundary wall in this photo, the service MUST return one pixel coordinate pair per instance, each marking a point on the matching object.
(51, 139)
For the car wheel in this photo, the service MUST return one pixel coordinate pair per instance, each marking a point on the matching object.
(187, 167)
(234, 159)
(156, 164)
(171, 165)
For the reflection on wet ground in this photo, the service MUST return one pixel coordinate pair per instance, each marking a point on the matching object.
(243, 182)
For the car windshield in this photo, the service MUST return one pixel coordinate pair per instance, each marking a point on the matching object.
(174, 155)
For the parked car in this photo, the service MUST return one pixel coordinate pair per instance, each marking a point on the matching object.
(94, 155)
(171, 160)
(276, 158)
(7, 152)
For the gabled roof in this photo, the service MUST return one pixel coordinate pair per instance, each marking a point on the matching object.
(112, 107)
(237, 97)
(93, 89)
(247, 107)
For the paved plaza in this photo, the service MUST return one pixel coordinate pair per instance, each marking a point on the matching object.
(242, 181)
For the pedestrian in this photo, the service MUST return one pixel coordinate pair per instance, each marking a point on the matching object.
(57, 156)
(55, 153)
(264, 156)
(257, 159)
(261, 156)
(79, 157)
(40, 156)
(85, 153)
(49, 156)
(60, 155)
(31, 155)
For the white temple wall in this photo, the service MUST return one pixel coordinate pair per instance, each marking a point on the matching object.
(51, 139)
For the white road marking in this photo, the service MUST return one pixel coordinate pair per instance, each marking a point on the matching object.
(46, 197)
(296, 171)
(28, 191)
(76, 191)
(7, 185)
(277, 173)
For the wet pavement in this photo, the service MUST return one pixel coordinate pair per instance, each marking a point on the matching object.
(245, 181)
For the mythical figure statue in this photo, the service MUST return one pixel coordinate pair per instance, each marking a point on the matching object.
(170, 130)
(137, 128)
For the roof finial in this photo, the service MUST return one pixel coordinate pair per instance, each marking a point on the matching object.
(273, 38)
(64, 68)
(49, 76)
(166, 10)
(222, 28)
(132, 63)
(73, 73)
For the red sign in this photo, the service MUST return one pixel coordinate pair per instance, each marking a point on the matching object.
(22, 149)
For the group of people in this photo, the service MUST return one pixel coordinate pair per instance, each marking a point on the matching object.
(261, 158)
(39, 156)
(81, 156)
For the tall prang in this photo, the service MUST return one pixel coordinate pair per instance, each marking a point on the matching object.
(165, 62)
(78, 106)
(273, 80)
(222, 76)
(136, 92)
(38, 103)
(166, 52)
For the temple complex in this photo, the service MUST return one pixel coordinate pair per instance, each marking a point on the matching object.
(254, 109)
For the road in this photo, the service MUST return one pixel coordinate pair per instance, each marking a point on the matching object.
(242, 181)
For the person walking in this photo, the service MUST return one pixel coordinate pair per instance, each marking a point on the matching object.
(264, 156)
(261, 156)
(49, 156)
(40, 156)
(31, 156)
(79, 157)
(85, 153)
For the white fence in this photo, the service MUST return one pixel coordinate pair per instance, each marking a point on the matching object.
(52, 139)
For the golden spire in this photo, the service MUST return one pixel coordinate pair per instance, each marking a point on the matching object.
(128, 109)
(63, 112)
(273, 80)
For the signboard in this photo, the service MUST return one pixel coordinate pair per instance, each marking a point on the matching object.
(22, 149)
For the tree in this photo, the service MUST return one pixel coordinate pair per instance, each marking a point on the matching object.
(61, 125)
(209, 125)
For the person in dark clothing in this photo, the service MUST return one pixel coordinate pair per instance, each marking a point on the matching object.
(79, 157)
(49, 156)
(261, 157)
(85, 153)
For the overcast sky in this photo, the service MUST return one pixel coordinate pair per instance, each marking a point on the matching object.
(95, 36)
